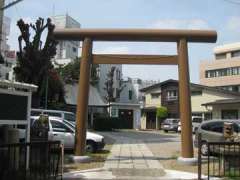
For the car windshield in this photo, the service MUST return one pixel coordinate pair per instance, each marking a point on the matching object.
(236, 127)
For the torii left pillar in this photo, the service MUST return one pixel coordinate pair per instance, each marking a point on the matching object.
(82, 100)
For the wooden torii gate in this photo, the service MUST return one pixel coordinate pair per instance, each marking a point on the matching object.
(181, 37)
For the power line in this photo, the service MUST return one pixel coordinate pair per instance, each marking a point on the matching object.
(10, 4)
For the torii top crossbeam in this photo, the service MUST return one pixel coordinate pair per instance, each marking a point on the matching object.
(147, 35)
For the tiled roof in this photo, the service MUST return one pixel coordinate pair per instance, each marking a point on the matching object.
(193, 85)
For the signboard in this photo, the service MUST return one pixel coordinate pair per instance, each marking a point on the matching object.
(13, 107)
(10, 54)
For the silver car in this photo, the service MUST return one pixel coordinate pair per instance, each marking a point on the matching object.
(212, 131)
(170, 125)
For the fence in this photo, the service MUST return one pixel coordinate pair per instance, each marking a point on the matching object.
(223, 159)
(31, 161)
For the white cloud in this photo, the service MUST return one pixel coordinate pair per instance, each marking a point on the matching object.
(181, 24)
(234, 23)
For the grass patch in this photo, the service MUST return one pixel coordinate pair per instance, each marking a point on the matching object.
(173, 164)
(97, 160)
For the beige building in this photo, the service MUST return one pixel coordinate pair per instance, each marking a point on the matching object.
(224, 109)
(224, 70)
(166, 94)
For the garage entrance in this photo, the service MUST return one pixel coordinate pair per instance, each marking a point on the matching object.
(180, 37)
(151, 120)
(126, 116)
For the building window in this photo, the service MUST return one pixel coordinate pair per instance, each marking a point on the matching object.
(172, 95)
(222, 72)
(155, 95)
(221, 56)
(229, 114)
(7, 76)
(74, 49)
(118, 93)
(235, 88)
(235, 53)
(130, 94)
(235, 71)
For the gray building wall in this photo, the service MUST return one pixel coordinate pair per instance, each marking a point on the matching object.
(66, 49)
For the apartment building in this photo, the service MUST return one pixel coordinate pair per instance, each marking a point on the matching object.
(66, 50)
(224, 70)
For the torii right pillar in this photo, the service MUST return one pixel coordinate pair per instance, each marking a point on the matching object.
(185, 100)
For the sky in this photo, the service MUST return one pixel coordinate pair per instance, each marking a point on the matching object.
(220, 15)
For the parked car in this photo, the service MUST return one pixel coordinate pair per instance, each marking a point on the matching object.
(212, 131)
(57, 113)
(64, 131)
(170, 125)
(196, 121)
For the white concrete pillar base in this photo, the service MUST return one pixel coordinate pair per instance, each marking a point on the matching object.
(80, 159)
(187, 161)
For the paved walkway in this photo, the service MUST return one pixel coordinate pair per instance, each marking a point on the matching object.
(130, 159)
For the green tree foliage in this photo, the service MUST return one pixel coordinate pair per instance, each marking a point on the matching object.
(70, 72)
(34, 60)
(162, 112)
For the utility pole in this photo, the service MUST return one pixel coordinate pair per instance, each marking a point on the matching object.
(2, 2)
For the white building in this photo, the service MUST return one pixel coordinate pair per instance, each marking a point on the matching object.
(66, 50)
(128, 107)
(6, 69)
(5, 33)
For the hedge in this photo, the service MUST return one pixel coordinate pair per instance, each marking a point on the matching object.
(108, 123)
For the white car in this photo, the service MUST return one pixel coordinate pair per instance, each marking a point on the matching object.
(64, 131)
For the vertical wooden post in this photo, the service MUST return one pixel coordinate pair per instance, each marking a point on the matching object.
(82, 99)
(185, 100)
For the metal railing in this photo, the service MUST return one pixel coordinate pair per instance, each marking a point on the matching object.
(31, 161)
(222, 159)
